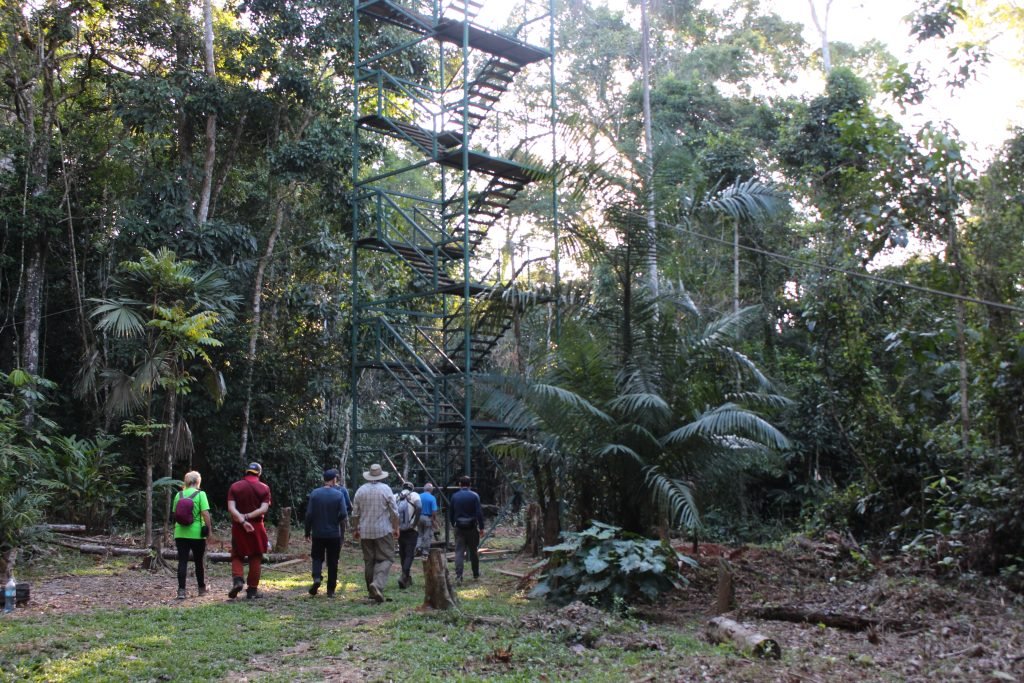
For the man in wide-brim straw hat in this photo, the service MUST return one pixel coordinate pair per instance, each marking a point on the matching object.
(375, 520)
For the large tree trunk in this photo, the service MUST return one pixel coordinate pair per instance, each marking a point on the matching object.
(254, 331)
(149, 496)
(534, 545)
(651, 248)
(822, 26)
(438, 591)
(210, 156)
(169, 449)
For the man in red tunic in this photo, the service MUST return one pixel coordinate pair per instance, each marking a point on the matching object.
(248, 501)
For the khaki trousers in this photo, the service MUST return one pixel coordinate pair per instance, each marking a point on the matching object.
(378, 555)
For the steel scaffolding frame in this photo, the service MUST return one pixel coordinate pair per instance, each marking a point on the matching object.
(425, 316)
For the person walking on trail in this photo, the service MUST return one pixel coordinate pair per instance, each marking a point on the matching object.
(248, 502)
(428, 508)
(326, 511)
(192, 525)
(375, 526)
(408, 503)
(467, 516)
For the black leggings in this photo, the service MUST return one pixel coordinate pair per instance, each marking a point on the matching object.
(198, 548)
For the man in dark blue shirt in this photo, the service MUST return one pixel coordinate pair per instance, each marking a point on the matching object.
(467, 516)
(325, 519)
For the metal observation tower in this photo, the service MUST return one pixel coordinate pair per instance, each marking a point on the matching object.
(429, 287)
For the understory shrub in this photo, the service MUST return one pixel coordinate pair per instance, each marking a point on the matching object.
(607, 566)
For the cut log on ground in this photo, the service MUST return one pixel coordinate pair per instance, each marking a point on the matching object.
(284, 531)
(846, 622)
(166, 553)
(438, 591)
(63, 528)
(723, 630)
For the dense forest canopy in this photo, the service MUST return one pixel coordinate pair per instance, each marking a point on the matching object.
(775, 309)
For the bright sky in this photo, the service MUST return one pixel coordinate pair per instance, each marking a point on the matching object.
(982, 112)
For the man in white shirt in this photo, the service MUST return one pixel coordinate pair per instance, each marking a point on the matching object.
(375, 520)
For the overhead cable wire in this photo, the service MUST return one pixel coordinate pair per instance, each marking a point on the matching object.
(843, 271)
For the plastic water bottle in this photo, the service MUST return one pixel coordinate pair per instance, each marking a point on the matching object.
(10, 592)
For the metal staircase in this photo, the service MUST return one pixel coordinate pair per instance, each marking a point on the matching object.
(425, 320)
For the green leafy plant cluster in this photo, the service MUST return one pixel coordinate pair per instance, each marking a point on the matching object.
(83, 480)
(607, 566)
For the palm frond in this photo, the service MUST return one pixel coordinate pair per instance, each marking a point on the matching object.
(746, 200)
(119, 318)
(522, 448)
(618, 449)
(635, 405)
(728, 326)
(727, 420)
(644, 438)
(122, 397)
(747, 366)
(760, 398)
(672, 496)
(552, 392)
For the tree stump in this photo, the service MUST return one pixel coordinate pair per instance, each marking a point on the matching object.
(725, 597)
(438, 592)
(284, 531)
(534, 545)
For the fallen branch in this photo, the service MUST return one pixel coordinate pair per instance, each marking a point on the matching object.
(846, 622)
(512, 574)
(721, 630)
(279, 565)
(976, 650)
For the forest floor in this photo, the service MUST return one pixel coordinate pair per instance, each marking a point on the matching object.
(99, 618)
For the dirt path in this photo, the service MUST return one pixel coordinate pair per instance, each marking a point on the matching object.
(927, 629)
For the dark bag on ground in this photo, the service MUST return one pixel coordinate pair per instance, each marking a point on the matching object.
(465, 522)
(185, 509)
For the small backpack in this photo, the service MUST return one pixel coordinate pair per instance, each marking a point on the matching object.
(406, 513)
(185, 509)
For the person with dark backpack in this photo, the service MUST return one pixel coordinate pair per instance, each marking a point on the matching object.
(408, 503)
(192, 526)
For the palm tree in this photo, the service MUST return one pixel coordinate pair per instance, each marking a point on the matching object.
(630, 444)
(159, 325)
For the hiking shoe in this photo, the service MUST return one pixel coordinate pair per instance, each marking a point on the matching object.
(202, 591)
(181, 594)
(330, 592)
(252, 594)
(376, 595)
(403, 582)
(236, 588)
(315, 587)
